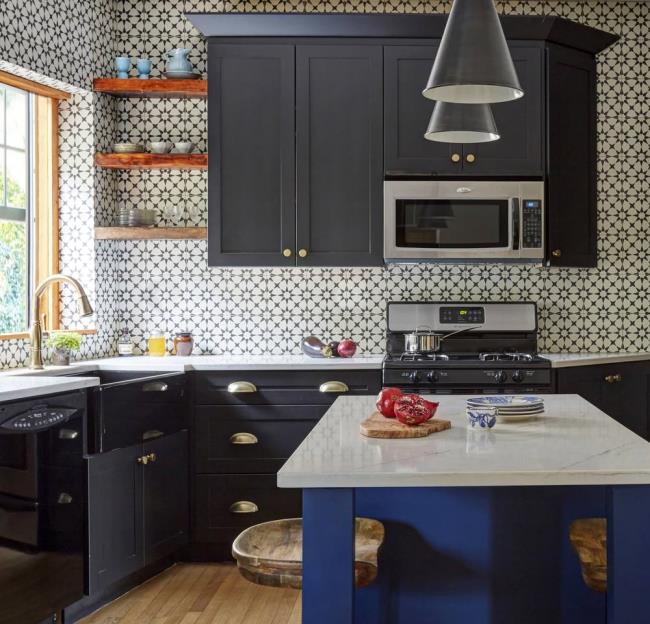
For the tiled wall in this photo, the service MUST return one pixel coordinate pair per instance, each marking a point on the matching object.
(168, 284)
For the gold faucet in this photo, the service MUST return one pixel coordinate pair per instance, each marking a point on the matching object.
(35, 331)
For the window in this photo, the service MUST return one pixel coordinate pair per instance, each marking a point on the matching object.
(28, 200)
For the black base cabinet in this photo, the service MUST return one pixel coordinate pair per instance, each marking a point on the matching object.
(241, 439)
(620, 390)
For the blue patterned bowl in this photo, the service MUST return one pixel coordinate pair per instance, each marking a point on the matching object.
(483, 417)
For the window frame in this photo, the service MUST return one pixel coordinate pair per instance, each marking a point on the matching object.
(44, 197)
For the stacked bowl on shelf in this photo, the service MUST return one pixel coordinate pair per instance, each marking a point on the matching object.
(141, 217)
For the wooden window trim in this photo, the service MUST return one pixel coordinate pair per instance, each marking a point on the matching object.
(33, 87)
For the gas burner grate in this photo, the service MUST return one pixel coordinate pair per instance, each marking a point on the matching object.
(423, 357)
(505, 357)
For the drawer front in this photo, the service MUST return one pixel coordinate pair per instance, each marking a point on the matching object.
(219, 497)
(250, 438)
(282, 387)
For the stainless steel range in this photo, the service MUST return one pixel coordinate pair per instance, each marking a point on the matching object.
(497, 352)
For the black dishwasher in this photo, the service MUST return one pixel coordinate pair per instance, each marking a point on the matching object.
(42, 506)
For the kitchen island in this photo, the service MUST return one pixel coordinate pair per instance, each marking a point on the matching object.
(476, 521)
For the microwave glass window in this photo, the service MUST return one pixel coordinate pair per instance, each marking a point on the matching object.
(444, 224)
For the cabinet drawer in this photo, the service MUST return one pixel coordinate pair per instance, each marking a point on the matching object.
(216, 497)
(250, 438)
(280, 387)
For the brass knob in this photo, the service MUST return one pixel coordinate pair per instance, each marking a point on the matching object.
(470, 158)
(239, 387)
(614, 378)
(556, 253)
(243, 507)
(152, 457)
(144, 460)
(455, 158)
(287, 253)
(334, 386)
(302, 253)
(243, 438)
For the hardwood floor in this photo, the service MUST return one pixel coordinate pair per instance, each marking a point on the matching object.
(201, 594)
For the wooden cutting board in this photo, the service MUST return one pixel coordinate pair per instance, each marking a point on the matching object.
(377, 426)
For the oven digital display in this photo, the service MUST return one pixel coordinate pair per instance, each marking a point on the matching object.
(455, 315)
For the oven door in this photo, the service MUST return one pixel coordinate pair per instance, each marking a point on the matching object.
(463, 221)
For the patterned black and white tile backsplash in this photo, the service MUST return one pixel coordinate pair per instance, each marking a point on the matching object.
(167, 284)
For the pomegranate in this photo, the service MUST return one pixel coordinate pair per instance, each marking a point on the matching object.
(412, 409)
(386, 401)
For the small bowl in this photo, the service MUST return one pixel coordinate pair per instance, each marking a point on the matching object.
(183, 147)
(482, 417)
(159, 147)
(127, 148)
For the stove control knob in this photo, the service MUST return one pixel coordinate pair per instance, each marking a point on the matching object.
(517, 376)
(500, 376)
(433, 376)
(414, 376)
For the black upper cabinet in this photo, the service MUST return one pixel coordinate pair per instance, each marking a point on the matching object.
(571, 180)
(251, 182)
(519, 151)
(339, 155)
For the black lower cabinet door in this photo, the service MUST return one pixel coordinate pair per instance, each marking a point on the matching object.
(621, 391)
(251, 170)
(407, 113)
(165, 495)
(114, 517)
(571, 182)
(339, 133)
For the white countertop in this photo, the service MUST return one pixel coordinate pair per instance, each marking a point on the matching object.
(573, 443)
(23, 387)
(563, 360)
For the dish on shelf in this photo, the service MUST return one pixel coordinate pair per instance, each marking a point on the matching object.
(128, 148)
(182, 75)
(137, 217)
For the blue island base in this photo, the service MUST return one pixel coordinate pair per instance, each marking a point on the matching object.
(488, 555)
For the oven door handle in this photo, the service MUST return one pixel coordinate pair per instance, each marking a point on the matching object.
(515, 224)
(11, 504)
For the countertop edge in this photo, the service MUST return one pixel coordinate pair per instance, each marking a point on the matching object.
(570, 360)
(64, 385)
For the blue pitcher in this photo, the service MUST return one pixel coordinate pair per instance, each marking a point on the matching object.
(177, 61)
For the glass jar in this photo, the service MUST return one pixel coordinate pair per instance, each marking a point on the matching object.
(156, 344)
(183, 343)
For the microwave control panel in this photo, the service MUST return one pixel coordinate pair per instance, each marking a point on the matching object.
(531, 224)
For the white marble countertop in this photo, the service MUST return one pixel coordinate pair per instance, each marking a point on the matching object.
(23, 387)
(563, 360)
(573, 443)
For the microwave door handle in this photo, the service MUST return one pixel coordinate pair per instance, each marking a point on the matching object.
(515, 224)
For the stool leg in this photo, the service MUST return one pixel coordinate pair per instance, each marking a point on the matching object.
(328, 556)
(628, 554)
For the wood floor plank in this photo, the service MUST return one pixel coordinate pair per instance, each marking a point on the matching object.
(201, 594)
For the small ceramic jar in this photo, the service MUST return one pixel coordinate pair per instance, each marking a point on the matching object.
(183, 343)
(483, 417)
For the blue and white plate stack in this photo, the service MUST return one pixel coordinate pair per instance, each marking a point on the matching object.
(510, 406)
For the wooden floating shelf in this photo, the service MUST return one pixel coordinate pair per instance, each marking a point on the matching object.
(150, 233)
(151, 87)
(152, 161)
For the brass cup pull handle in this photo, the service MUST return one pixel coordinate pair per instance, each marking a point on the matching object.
(243, 438)
(455, 158)
(556, 253)
(239, 387)
(470, 158)
(68, 434)
(614, 378)
(243, 507)
(286, 253)
(334, 386)
(155, 386)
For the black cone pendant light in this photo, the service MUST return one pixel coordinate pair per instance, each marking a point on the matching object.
(461, 123)
(473, 64)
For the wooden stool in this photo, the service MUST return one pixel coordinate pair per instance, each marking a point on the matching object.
(271, 553)
(589, 539)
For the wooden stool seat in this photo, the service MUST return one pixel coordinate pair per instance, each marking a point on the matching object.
(589, 539)
(271, 553)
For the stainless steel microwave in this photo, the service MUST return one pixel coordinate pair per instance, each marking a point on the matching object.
(463, 221)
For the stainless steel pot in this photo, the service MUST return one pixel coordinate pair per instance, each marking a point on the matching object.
(424, 340)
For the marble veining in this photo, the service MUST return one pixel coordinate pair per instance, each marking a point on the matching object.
(572, 443)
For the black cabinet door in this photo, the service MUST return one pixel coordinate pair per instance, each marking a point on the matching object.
(339, 155)
(251, 181)
(407, 113)
(114, 516)
(519, 150)
(166, 499)
(571, 178)
(619, 390)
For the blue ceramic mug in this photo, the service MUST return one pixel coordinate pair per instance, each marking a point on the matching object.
(122, 65)
(143, 66)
